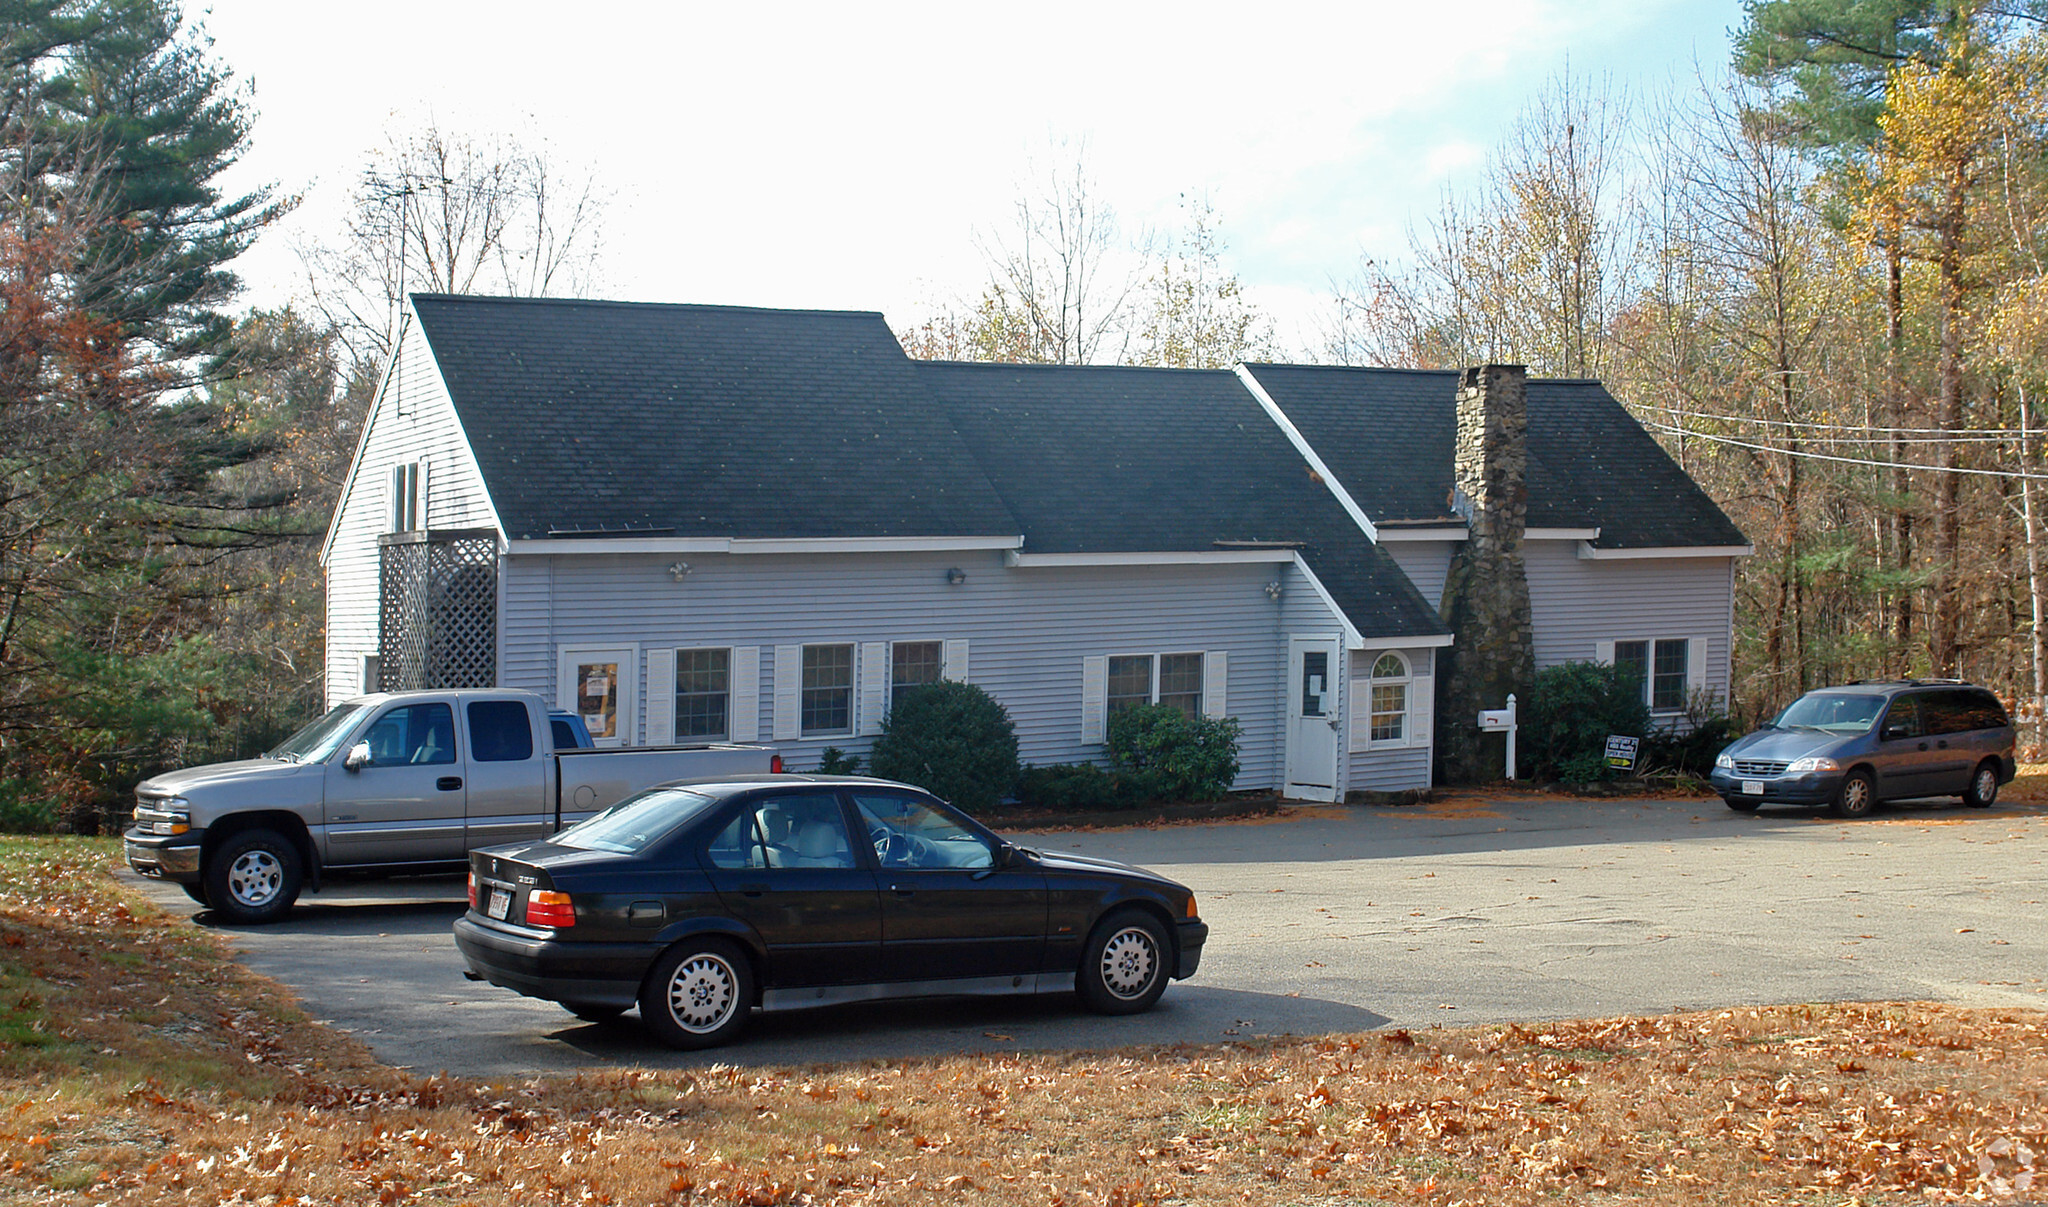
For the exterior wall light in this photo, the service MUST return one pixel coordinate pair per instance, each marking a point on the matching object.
(1273, 590)
(679, 570)
(956, 576)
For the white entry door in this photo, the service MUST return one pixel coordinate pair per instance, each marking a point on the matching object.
(599, 684)
(1313, 722)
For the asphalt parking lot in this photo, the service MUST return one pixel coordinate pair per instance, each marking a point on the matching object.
(1332, 920)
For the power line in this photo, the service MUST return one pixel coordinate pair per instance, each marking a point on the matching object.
(1765, 448)
(1966, 434)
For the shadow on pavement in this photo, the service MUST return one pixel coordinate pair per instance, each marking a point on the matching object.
(955, 1026)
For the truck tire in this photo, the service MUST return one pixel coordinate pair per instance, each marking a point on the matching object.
(253, 877)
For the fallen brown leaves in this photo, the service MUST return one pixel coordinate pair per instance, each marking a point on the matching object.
(138, 1065)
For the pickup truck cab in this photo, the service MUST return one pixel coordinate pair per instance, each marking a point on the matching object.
(399, 782)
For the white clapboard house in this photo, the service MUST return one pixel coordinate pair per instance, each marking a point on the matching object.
(709, 523)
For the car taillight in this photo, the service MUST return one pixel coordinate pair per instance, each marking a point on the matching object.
(472, 890)
(546, 908)
(775, 763)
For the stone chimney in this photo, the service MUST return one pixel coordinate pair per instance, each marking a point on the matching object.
(1486, 594)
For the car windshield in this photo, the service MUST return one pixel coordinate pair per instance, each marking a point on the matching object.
(631, 825)
(1835, 712)
(320, 739)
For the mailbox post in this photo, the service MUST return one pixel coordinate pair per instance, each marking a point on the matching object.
(1502, 720)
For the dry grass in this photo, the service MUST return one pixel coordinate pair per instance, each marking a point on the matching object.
(139, 1065)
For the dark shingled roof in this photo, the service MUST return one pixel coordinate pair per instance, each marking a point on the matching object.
(1095, 459)
(719, 421)
(1387, 434)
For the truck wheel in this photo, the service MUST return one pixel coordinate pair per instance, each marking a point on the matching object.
(196, 891)
(253, 877)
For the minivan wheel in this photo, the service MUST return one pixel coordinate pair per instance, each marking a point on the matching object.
(1983, 786)
(1856, 795)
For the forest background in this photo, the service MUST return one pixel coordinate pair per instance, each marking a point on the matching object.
(1818, 278)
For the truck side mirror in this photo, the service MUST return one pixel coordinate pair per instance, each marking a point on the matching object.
(358, 757)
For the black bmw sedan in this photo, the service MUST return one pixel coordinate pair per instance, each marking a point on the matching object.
(703, 901)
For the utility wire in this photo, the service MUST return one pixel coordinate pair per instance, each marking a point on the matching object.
(1966, 434)
(1765, 448)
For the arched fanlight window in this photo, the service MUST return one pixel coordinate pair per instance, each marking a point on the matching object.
(1390, 682)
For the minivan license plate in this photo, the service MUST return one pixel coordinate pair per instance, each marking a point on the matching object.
(1752, 787)
(501, 903)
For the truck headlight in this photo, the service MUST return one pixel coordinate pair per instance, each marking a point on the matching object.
(1813, 763)
(1724, 761)
(166, 818)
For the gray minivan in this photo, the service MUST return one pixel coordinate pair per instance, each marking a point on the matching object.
(1850, 747)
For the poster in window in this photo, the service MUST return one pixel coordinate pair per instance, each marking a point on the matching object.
(597, 697)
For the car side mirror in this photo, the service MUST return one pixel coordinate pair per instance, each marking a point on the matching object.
(358, 757)
(1893, 733)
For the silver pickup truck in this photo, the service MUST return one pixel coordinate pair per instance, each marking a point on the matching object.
(404, 782)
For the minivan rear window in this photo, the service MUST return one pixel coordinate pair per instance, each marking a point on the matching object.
(1959, 710)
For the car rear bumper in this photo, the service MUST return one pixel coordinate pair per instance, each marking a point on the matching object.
(603, 974)
(1806, 788)
(163, 858)
(1192, 935)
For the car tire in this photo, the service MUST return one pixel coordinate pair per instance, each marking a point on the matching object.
(1125, 964)
(197, 892)
(1856, 797)
(253, 877)
(698, 994)
(1740, 805)
(1983, 789)
(593, 1012)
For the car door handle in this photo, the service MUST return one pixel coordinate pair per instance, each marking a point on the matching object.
(449, 783)
(903, 890)
(1943, 744)
(752, 890)
(1923, 745)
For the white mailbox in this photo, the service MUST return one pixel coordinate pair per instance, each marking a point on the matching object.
(1495, 720)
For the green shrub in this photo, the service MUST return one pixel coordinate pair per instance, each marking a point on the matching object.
(1690, 752)
(24, 808)
(1086, 788)
(954, 741)
(1194, 758)
(834, 761)
(1570, 711)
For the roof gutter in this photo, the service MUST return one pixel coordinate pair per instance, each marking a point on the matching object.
(754, 545)
(1589, 554)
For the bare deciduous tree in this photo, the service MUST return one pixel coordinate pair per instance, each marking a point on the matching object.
(439, 211)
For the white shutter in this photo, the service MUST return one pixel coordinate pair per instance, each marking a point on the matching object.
(1695, 666)
(394, 499)
(419, 496)
(1358, 734)
(1421, 709)
(1216, 684)
(661, 697)
(789, 678)
(955, 667)
(746, 693)
(1603, 653)
(1094, 698)
(874, 686)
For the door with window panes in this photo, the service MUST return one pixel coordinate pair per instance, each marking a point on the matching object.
(1313, 717)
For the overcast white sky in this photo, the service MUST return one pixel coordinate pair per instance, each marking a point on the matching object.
(844, 155)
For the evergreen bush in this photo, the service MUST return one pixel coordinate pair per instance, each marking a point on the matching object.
(1571, 710)
(1193, 758)
(954, 741)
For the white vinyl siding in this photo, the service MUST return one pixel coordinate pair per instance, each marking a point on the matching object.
(1581, 607)
(1392, 764)
(1028, 630)
(411, 422)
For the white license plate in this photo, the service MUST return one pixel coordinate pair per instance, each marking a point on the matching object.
(1752, 787)
(501, 903)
